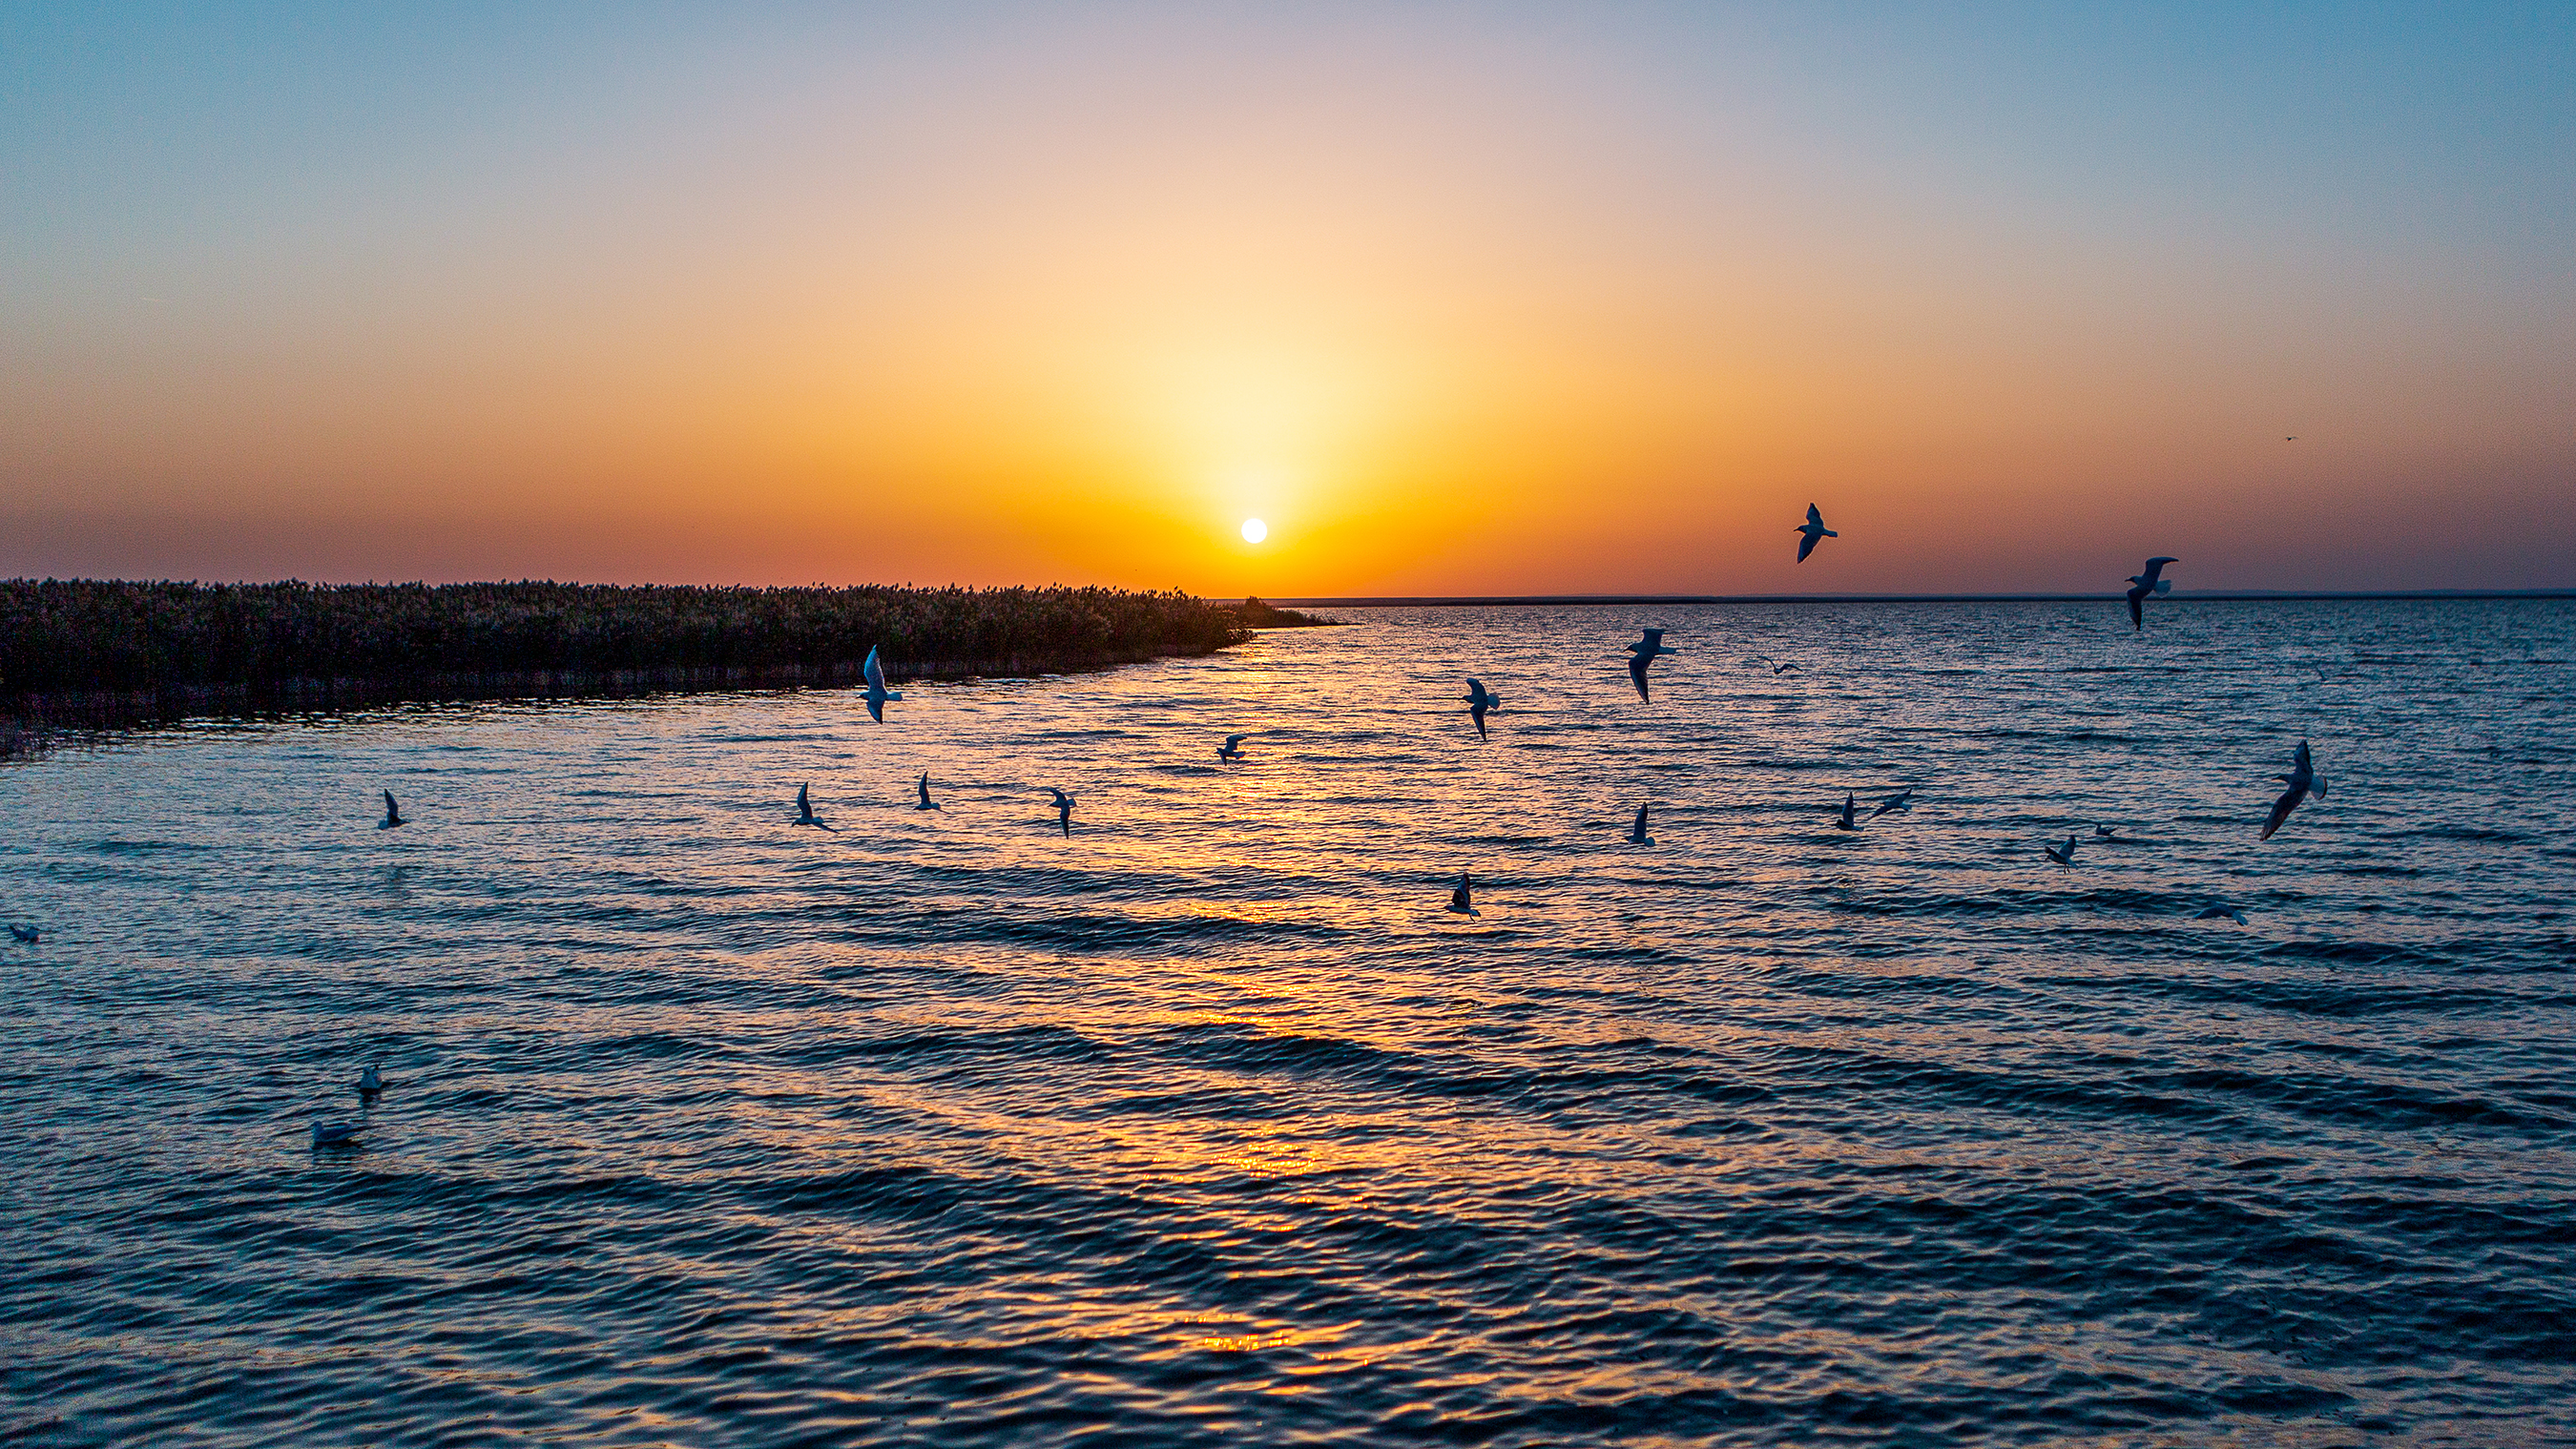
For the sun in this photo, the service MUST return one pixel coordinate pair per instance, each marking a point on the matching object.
(1254, 530)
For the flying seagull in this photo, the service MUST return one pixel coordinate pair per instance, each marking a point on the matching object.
(2062, 857)
(1645, 651)
(1782, 668)
(1844, 821)
(370, 1081)
(393, 815)
(1232, 749)
(27, 935)
(336, 1134)
(805, 811)
(2221, 913)
(1901, 800)
(1063, 810)
(2141, 585)
(1480, 699)
(1813, 529)
(923, 786)
(1637, 833)
(1459, 900)
(877, 694)
(2303, 777)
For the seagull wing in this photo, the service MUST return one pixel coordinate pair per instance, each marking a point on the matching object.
(874, 671)
(1233, 740)
(1637, 672)
(2281, 809)
(1476, 712)
(1814, 518)
(1641, 820)
(2137, 611)
(390, 811)
(1806, 545)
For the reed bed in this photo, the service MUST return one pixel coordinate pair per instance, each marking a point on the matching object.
(87, 653)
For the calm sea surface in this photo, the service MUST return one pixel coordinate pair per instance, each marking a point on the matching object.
(1209, 1124)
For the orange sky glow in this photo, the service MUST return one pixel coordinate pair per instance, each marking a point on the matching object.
(1510, 304)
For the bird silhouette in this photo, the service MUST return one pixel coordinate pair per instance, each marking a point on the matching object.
(1637, 833)
(1479, 700)
(2303, 777)
(876, 693)
(1843, 820)
(1063, 811)
(1813, 529)
(370, 1082)
(2221, 913)
(1645, 651)
(1461, 899)
(1901, 800)
(1232, 749)
(2064, 856)
(805, 811)
(393, 813)
(2142, 585)
(922, 786)
(336, 1134)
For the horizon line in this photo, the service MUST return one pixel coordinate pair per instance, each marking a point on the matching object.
(2197, 596)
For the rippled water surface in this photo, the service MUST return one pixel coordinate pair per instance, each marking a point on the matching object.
(1210, 1125)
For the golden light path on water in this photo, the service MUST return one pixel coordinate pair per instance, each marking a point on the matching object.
(1207, 1123)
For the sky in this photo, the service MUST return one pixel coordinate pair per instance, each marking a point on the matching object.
(1481, 299)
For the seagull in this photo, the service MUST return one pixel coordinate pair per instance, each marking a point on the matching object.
(2291, 438)
(923, 786)
(1782, 668)
(2106, 832)
(393, 815)
(1232, 749)
(1901, 800)
(370, 1082)
(336, 1134)
(877, 694)
(1063, 810)
(1814, 528)
(1844, 820)
(2221, 913)
(26, 934)
(2062, 857)
(2303, 777)
(1480, 699)
(2141, 585)
(1458, 898)
(805, 811)
(1645, 651)
(1637, 833)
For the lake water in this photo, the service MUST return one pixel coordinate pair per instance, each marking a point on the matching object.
(1209, 1125)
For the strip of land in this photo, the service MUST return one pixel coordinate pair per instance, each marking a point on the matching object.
(96, 653)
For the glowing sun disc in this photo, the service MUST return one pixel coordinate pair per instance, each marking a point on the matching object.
(1254, 530)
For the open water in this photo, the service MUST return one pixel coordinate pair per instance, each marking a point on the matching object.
(1209, 1125)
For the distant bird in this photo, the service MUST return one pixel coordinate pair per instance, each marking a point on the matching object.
(1814, 528)
(1901, 800)
(27, 935)
(2291, 439)
(1480, 699)
(1637, 833)
(923, 787)
(1459, 899)
(2106, 832)
(2221, 913)
(2303, 777)
(1844, 820)
(1645, 651)
(2141, 585)
(1782, 668)
(393, 813)
(805, 811)
(2062, 857)
(1063, 810)
(336, 1134)
(370, 1081)
(1777, 667)
(1232, 749)
(877, 694)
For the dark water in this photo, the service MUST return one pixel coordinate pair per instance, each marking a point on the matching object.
(1209, 1125)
